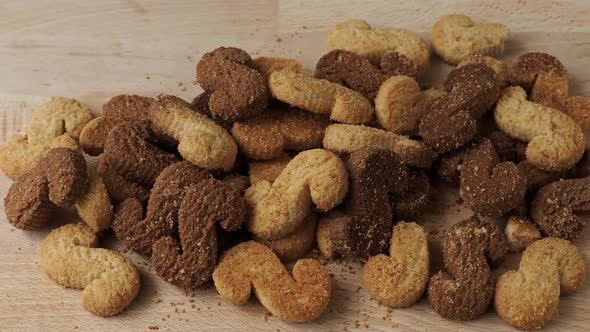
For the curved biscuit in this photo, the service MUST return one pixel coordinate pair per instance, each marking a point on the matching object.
(400, 104)
(110, 281)
(58, 180)
(348, 138)
(320, 96)
(94, 205)
(312, 177)
(529, 298)
(520, 232)
(253, 266)
(490, 187)
(548, 81)
(190, 263)
(267, 170)
(53, 124)
(364, 227)
(358, 73)
(267, 65)
(269, 135)
(236, 90)
(201, 141)
(400, 279)
(118, 187)
(357, 36)
(456, 37)
(130, 149)
(118, 109)
(499, 67)
(555, 141)
(451, 121)
(556, 208)
(464, 290)
(139, 233)
(296, 244)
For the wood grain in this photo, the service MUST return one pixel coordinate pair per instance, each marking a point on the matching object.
(91, 50)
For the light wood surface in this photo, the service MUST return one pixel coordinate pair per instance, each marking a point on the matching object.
(92, 50)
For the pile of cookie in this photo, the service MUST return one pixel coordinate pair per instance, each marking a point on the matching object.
(269, 161)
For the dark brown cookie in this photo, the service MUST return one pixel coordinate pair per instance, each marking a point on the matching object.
(365, 227)
(394, 63)
(412, 202)
(464, 290)
(118, 187)
(536, 177)
(139, 233)
(358, 73)
(237, 91)
(556, 208)
(532, 66)
(57, 180)
(582, 168)
(452, 120)
(128, 107)
(190, 263)
(131, 150)
(490, 187)
(508, 148)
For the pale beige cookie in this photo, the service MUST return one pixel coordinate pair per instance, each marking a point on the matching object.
(94, 206)
(528, 299)
(348, 138)
(266, 65)
(279, 129)
(251, 266)
(320, 96)
(357, 36)
(456, 37)
(57, 117)
(314, 178)
(556, 141)
(296, 244)
(499, 67)
(201, 141)
(267, 170)
(400, 279)
(520, 232)
(400, 104)
(110, 281)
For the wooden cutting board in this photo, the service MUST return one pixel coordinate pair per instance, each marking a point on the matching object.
(94, 50)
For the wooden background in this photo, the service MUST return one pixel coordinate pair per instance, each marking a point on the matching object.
(92, 50)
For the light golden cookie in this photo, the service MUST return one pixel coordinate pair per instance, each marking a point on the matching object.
(400, 104)
(267, 136)
(267, 170)
(266, 65)
(296, 244)
(201, 141)
(320, 96)
(348, 138)
(95, 132)
(456, 37)
(556, 141)
(528, 299)
(314, 177)
(110, 281)
(57, 117)
(251, 266)
(94, 206)
(520, 232)
(400, 279)
(499, 67)
(357, 36)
